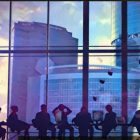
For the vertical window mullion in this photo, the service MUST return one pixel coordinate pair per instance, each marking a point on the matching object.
(9, 61)
(124, 65)
(47, 70)
(85, 51)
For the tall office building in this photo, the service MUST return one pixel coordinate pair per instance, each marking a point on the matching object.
(133, 41)
(133, 29)
(33, 36)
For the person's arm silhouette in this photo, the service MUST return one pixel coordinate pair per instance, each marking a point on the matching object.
(68, 110)
(48, 117)
(37, 119)
(133, 122)
(90, 120)
(16, 116)
(37, 116)
(55, 110)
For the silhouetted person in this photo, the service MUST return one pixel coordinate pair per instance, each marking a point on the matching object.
(2, 131)
(63, 124)
(136, 121)
(15, 124)
(84, 122)
(109, 122)
(42, 122)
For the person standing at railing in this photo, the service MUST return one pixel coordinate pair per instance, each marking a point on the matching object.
(2, 130)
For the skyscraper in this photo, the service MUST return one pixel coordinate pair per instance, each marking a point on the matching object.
(33, 36)
(133, 29)
(133, 41)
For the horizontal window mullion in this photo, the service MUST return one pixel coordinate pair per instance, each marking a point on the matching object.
(68, 51)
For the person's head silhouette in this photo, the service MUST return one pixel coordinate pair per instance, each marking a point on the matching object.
(43, 108)
(61, 107)
(14, 109)
(109, 108)
(84, 109)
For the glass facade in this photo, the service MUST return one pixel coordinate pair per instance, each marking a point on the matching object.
(133, 27)
(115, 20)
(41, 61)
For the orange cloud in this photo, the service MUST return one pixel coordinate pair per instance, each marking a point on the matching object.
(4, 42)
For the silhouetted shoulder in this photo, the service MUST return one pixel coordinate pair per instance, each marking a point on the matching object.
(107, 114)
(38, 113)
(89, 114)
(78, 114)
(114, 113)
(48, 114)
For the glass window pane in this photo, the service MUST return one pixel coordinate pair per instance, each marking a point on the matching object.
(65, 83)
(133, 87)
(107, 91)
(104, 25)
(66, 24)
(4, 25)
(3, 87)
(29, 25)
(27, 86)
(133, 28)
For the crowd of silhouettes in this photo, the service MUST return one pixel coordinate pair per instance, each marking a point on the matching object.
(83, 121)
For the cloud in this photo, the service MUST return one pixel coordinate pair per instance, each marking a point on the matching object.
(81, 22)
(103, 41)
(68, 15)
(24, 10)
(100, 34)
(4, 11)
(100, 24)
(21, 11)
(70, 3)
(4, 42)
(3, 75)
(105, 14)
(100, 12)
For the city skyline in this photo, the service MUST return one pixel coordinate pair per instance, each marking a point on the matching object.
(71, 15)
